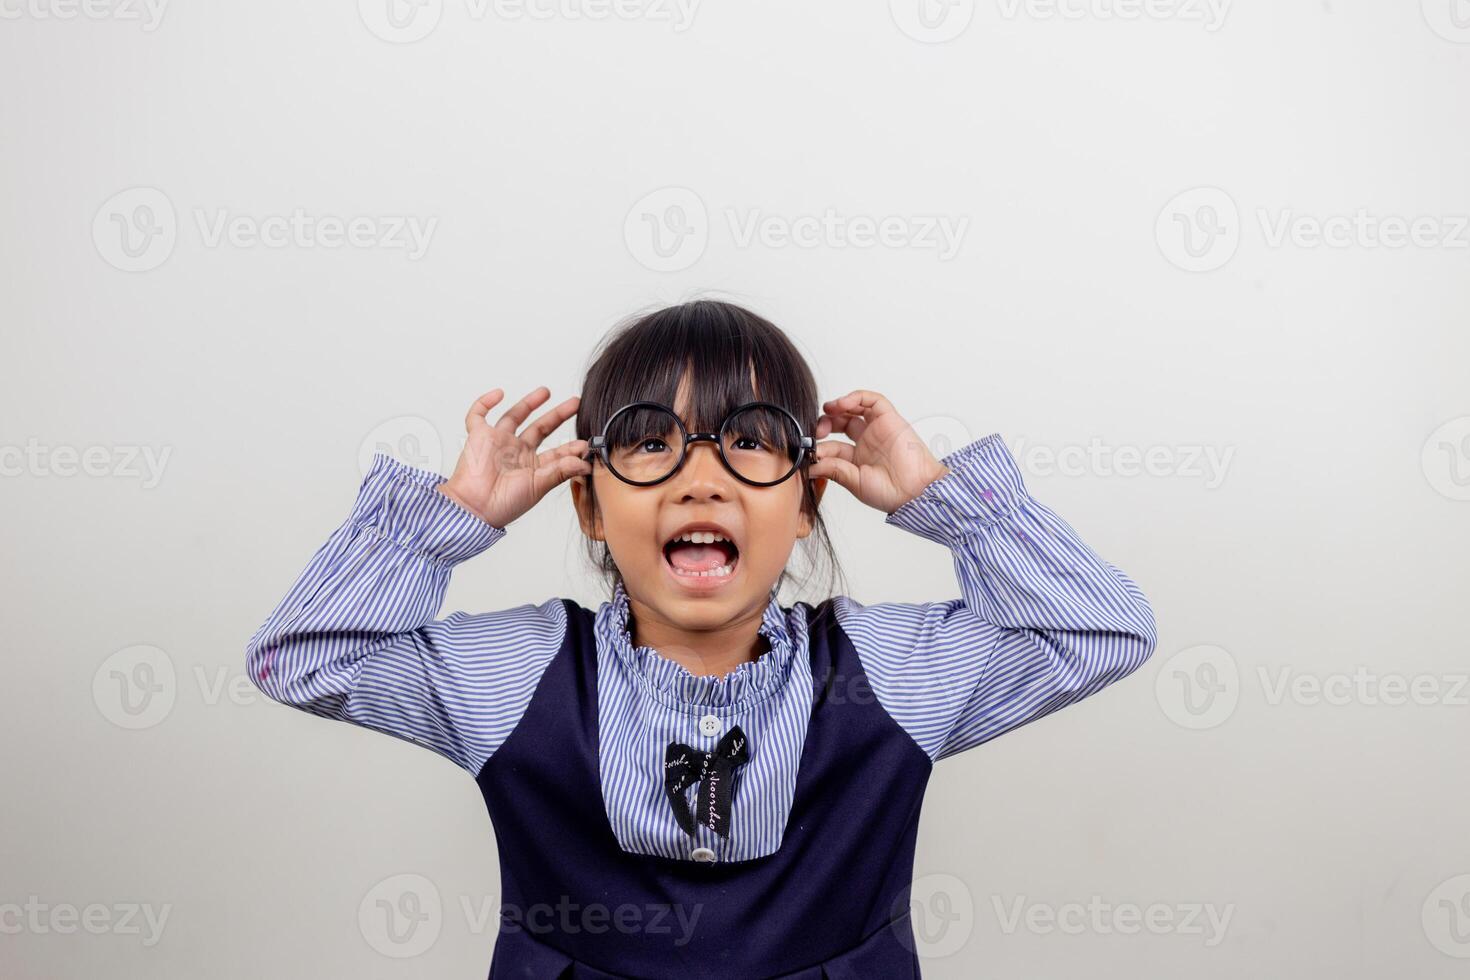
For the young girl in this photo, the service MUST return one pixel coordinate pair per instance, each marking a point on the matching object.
(694, 780)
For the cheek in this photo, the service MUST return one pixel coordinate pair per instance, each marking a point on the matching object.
(779, 522)
(629, 526)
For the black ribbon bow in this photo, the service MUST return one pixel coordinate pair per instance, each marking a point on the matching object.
(685, 765)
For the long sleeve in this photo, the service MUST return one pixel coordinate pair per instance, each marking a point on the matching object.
(1042, 621)
(354, 639)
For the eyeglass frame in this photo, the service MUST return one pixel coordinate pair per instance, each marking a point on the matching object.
(806, 445)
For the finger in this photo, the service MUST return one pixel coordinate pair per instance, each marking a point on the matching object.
(852, 425)
(548, 423)
(482, 405)
(834, 467)
(577, 447)
(562, 469)
(517, 413)
(831, 448)
(861, 401)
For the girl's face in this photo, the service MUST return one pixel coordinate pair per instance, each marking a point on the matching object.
(761, 523)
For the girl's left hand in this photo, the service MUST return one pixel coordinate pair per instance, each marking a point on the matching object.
(886, 465)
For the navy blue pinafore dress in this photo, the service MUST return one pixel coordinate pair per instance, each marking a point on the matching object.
(832, 901)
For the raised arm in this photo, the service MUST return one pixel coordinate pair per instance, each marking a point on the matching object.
(1043, 620)
(354, 639)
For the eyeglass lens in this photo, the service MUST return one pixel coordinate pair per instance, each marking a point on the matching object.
(644, 443)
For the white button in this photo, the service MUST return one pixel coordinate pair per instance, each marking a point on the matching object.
(710, 725)
(702, 854)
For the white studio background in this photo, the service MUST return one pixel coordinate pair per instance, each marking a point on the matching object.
(1203, 264)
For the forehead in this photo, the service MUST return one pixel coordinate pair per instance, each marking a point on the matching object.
(683, 396)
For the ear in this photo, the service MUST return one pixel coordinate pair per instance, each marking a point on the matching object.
(819, 487)
(582, 502)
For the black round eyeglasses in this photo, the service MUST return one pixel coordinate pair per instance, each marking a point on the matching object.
(645, 443)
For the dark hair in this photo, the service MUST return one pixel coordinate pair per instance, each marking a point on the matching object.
(720, 345)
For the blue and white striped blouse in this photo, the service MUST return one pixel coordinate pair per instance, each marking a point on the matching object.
(1042, 622)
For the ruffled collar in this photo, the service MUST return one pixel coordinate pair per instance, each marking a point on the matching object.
(672, 683)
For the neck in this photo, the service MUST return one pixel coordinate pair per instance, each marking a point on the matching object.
(704, 652)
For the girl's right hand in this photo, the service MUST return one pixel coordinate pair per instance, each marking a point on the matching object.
(501, 475)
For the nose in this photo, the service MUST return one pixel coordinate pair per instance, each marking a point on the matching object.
(703, 473)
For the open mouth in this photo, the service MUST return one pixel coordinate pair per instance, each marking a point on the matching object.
(701, 554)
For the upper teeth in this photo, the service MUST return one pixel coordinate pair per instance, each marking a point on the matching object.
(701, 537)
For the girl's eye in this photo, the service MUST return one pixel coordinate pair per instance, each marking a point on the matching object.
(659, 447)
(748, 442)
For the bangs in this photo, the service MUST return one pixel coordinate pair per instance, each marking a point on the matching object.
(730, 355)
